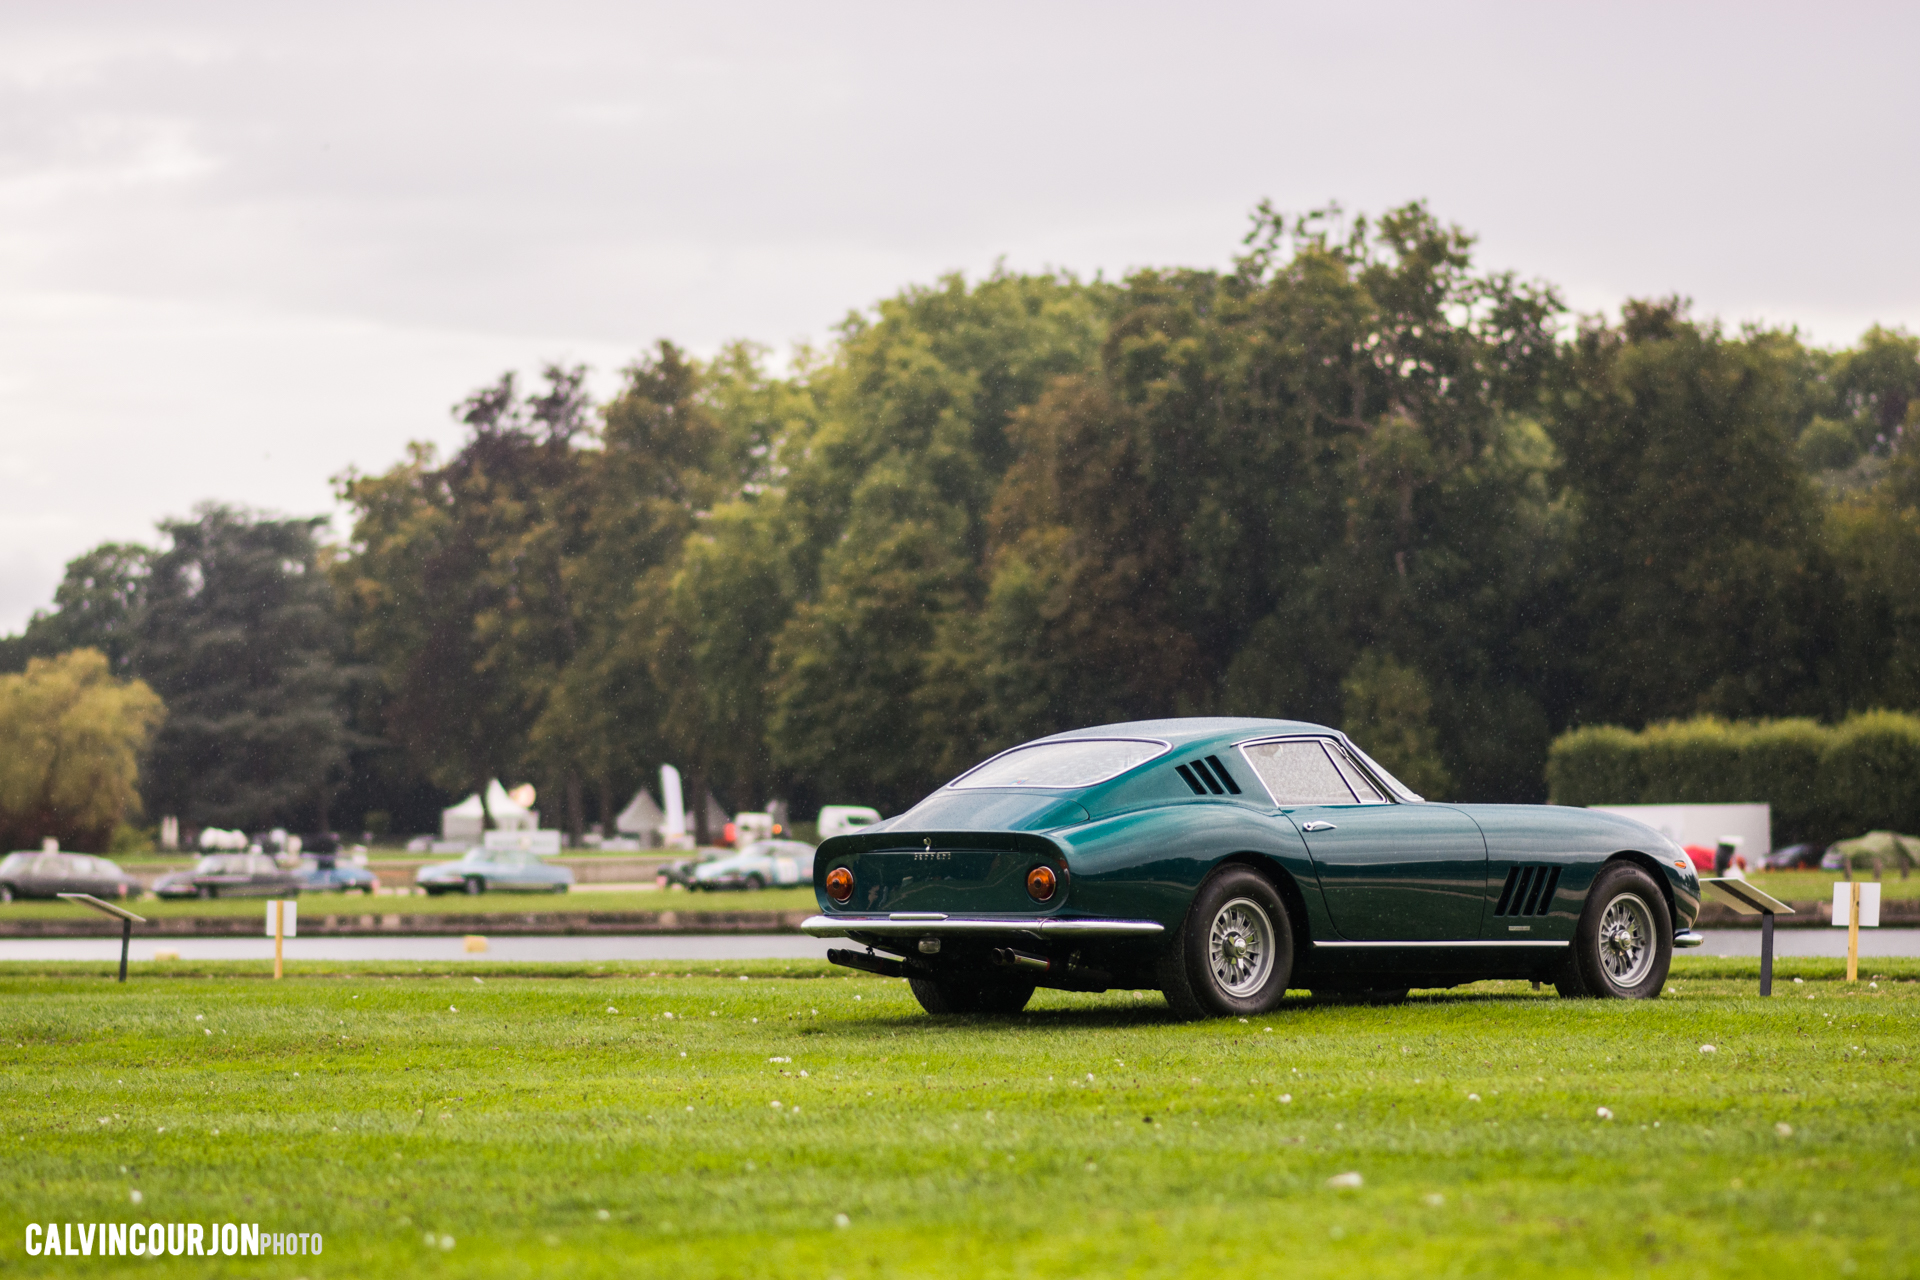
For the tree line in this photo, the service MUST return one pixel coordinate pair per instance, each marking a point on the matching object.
(1353, 479)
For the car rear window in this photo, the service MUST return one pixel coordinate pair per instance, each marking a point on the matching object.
(1298, 772)
(1079, 763)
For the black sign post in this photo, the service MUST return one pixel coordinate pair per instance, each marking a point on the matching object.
(1747, 900)
(127, 921)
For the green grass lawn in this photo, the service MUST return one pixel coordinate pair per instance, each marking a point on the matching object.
(355, 904)
(805, 1122)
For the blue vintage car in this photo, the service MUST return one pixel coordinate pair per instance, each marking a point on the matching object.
(511, 870)
(326, 874)
(1224, 861)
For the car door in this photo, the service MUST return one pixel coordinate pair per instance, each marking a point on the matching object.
(1388, 871)
(54, 873)
(102, 878)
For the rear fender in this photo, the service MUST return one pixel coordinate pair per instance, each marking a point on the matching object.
(1148, 864)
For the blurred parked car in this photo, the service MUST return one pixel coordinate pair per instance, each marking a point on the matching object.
(328, 875)
(681, 870)
(841, 819)
(512, 870)
(42, 875)
(764, 862)
(230, 875)
(1795, 857)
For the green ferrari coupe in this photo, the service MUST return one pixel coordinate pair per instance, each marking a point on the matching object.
(1224, 861)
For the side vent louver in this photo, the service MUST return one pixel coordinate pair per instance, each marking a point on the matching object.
(1220, 772)
(1207, 775)
(1528, 891)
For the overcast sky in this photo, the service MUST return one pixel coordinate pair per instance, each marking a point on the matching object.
(243, 247)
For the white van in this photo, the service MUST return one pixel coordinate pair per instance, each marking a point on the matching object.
(839, 819)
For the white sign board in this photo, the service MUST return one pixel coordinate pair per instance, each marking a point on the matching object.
(1869, 903)
(289, 922)
(1704, 824)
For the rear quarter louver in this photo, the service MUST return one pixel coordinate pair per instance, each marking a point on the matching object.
(1207, 776)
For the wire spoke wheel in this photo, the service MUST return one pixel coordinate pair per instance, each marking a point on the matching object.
(1240, 947)
(1626, 939)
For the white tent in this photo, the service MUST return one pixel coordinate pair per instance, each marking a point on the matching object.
(467, 820)
(641, 817)
(676, 825)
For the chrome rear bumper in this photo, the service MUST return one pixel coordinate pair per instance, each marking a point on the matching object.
(1688, 938)
(927, 924)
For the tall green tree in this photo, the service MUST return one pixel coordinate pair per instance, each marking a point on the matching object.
(887, 506)
(1276, 471)
(96, 606)
(238, 634)
(1874, 537)
(456, 579)
(663, 463)
(1699, 583)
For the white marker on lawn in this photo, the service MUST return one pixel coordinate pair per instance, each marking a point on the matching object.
(1857, 906)
(283, 921)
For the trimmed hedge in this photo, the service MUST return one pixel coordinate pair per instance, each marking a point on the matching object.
(1824, 782)
(1872, 771)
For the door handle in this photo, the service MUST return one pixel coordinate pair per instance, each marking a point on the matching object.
(1318, 826)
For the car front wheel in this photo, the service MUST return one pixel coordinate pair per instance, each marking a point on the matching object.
(1234, 952)
(1623, 945)
(6, 893)
(474, 885)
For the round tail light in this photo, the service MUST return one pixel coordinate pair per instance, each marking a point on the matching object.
(1041, 883)
(840, 884)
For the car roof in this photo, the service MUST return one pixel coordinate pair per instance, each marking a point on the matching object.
(1191, 730)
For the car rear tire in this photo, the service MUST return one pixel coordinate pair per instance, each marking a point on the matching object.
(6, 893)
(970, 995)
(473, 885)
(1234, 952)
(1623, 945)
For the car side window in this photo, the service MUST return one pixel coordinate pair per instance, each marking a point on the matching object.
(1365, 790)
(1298, 772)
